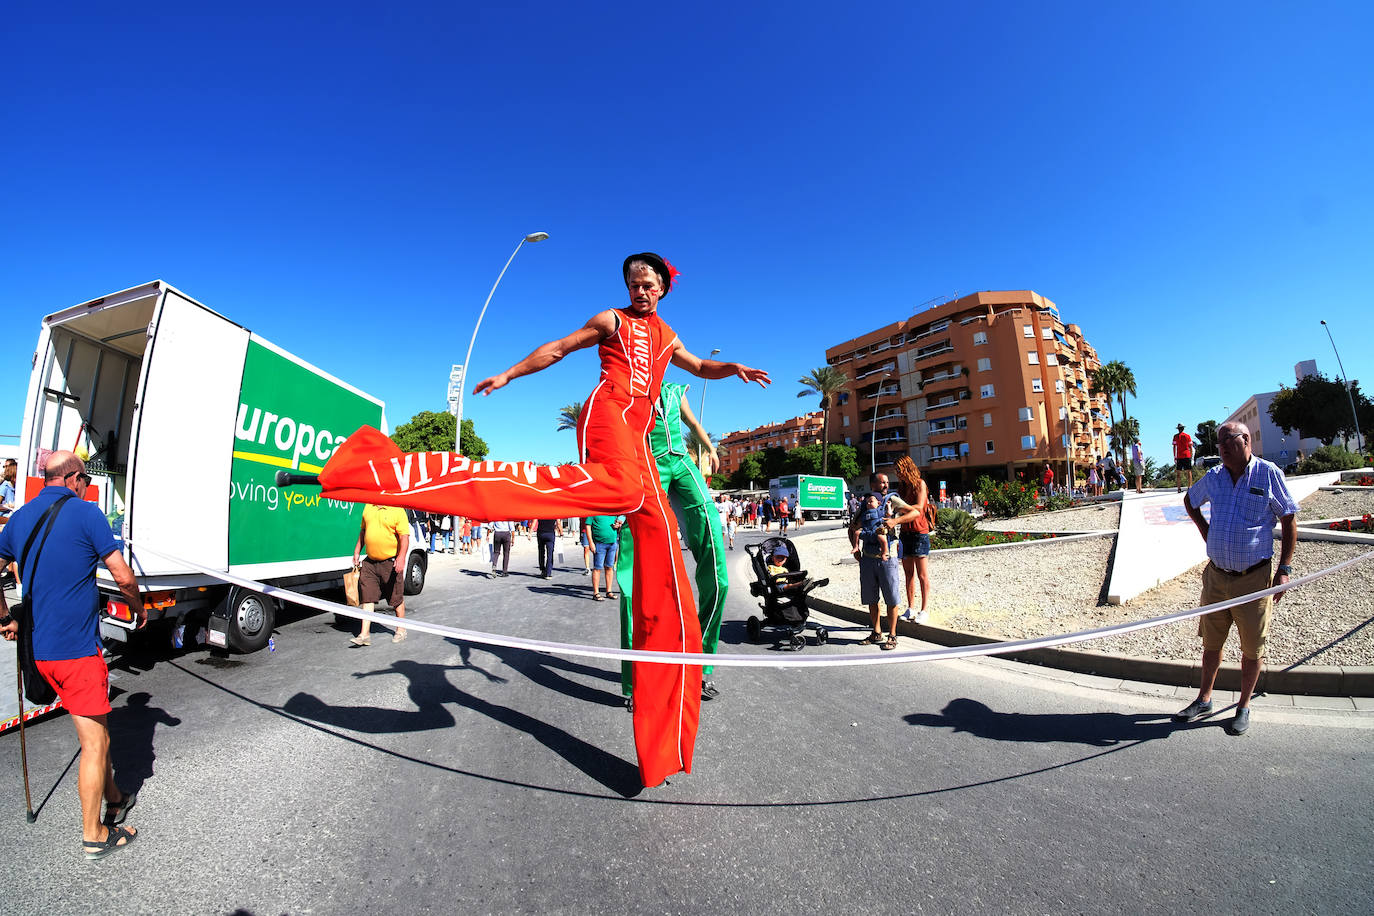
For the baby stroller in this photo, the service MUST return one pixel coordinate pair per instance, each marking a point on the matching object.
(784, 598)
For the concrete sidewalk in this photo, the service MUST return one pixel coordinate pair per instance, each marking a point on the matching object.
(1157, 541)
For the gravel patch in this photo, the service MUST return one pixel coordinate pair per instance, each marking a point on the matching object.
(1351, 502)
(1105, 516)
(1050, 587)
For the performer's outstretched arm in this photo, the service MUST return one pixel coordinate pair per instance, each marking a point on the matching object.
(714, 368)
(601, 326)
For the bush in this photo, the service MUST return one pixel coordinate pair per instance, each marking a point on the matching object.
(954, 526)
(1058, 501)
(1006, 498)
(1330, 458)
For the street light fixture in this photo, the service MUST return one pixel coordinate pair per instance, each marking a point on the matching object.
(873, 437)
(701, 411)
(467, 360)
(1359, 443)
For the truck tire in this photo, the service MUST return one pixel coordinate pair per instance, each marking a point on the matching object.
(251, 619)
(416, 567)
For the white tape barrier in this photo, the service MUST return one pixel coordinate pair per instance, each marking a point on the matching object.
(790, 660)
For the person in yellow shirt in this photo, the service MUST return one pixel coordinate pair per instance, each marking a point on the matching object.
(385, 536)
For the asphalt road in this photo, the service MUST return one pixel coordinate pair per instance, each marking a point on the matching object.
(430, 776)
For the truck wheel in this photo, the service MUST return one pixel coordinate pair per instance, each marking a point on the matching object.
(415, 573)
(251, 619)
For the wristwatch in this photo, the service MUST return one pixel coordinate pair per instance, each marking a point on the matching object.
(1284, 570)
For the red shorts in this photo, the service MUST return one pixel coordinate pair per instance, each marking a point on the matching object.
(83, 684)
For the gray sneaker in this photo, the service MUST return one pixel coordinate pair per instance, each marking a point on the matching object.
(1195, 710)
(1240, 723)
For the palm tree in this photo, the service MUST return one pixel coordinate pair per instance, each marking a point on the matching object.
(825, 381)
(569, 415)
(1106, 381)
(1125, 384)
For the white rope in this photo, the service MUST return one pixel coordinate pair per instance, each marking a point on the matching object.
(790, 660)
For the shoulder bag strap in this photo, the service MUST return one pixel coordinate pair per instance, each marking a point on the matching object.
(45, 523)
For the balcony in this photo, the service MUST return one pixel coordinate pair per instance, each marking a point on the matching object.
(935, 328)
(935, 349)
(890, 367)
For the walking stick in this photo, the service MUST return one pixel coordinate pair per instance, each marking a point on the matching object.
(23, 743)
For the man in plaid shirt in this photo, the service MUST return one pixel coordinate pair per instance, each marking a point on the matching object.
(1247, 495)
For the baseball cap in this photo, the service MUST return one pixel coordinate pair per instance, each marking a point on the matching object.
(780, 550)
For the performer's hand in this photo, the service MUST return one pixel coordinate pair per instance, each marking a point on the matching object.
(487, 385)
(714, 462)
(752, 375)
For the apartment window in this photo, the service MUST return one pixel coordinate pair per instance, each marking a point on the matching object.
(846, 441)
(985, 365)
(1047, 334)
(963, 448)
(980, 338)
(1024, 414)
(1028, 442)
(988, 445)
(986, 391)
(1033, 358)
(987, 419)
(1051, 359)
(846, 420)
(1037, 385)
(844, 397)
(1063, 413)
(1028, 330)
(1059, 385)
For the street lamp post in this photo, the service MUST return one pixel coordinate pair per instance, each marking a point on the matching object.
(467, 360)
(701, 411)
(873, 437)
(1359, 443)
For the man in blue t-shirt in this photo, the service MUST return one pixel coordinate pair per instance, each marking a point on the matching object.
(57, 568)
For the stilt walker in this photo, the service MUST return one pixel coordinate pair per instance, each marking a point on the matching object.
(682, 480)
(615, 476)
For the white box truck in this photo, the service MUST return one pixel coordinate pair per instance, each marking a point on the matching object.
(821, 497)
(184, 418)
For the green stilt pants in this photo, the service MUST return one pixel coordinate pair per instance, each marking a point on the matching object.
(683, 482)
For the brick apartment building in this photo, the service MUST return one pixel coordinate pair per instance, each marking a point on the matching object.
(982, 384)
(788, 434)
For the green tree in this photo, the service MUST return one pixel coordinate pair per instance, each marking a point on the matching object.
(1105, 381)
(1320, 408)
(1115, 379)
(749, 472)
(568, 416)
(1206, 439)
(1123, 434)
(825, 381)
(809, 459)
(428, 431)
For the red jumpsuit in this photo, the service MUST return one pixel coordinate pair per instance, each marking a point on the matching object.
(616, 475)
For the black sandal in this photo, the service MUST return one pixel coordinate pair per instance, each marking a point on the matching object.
(116, 812)
(96, 849)
(873, 639)
(889, 643)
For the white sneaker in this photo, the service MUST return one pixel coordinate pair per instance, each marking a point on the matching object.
(922, 617)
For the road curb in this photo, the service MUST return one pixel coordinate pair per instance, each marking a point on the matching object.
(1308, 680)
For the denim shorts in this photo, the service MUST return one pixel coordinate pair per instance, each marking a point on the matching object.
(604, 556)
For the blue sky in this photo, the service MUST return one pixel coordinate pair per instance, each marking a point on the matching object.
(1189, 182)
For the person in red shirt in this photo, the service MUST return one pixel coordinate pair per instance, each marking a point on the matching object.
(616, 475)
(1183, 458)
(1047, 481)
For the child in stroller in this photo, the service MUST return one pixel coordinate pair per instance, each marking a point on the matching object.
(784, 586)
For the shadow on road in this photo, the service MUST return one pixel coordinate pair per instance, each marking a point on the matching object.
(429, 689)
(1096, 729)
(132, 727)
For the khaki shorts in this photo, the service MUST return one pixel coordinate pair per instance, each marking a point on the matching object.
(1251, 619)
(379, 582)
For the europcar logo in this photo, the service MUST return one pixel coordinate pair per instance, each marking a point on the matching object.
(294, 439)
